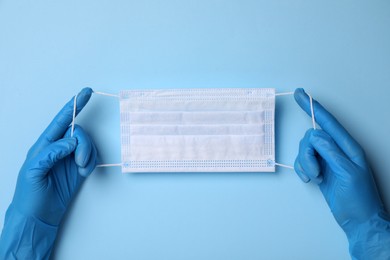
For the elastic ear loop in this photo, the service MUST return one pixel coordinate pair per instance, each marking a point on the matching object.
(313, 120)
(73, 122)
(117, 96)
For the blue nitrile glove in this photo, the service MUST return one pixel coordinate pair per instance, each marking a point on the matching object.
(333, 159)
(55, 167)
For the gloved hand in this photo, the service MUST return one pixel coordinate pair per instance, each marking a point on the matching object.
(55, 167)
(332, 159)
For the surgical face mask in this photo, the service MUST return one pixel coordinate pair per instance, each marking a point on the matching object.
(197, 130)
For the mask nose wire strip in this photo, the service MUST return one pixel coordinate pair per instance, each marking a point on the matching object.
(73, 122)
(313, 120)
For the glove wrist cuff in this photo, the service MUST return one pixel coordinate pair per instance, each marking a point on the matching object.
(368, 239)
(26, 237)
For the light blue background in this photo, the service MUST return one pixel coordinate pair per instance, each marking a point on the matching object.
(337, 50)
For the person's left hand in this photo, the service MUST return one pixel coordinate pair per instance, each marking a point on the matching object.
(55, 167)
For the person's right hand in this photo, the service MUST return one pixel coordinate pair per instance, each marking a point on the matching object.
(331, 158)
(54, 170)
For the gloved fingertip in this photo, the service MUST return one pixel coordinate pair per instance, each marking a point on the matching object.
(86, 91)
(300, 97)
(82, 155)
(319, 179)
(318, 136)
(304, 178)
(70, 141)
(89, 167)
(317, 132)
(83, 97)
(298, 169)
(308, 135)
(299, 93)
(68, 132)
(84, 172)
(84, 147)
(80, 162)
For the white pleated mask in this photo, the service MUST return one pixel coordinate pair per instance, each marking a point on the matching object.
(197, 130)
